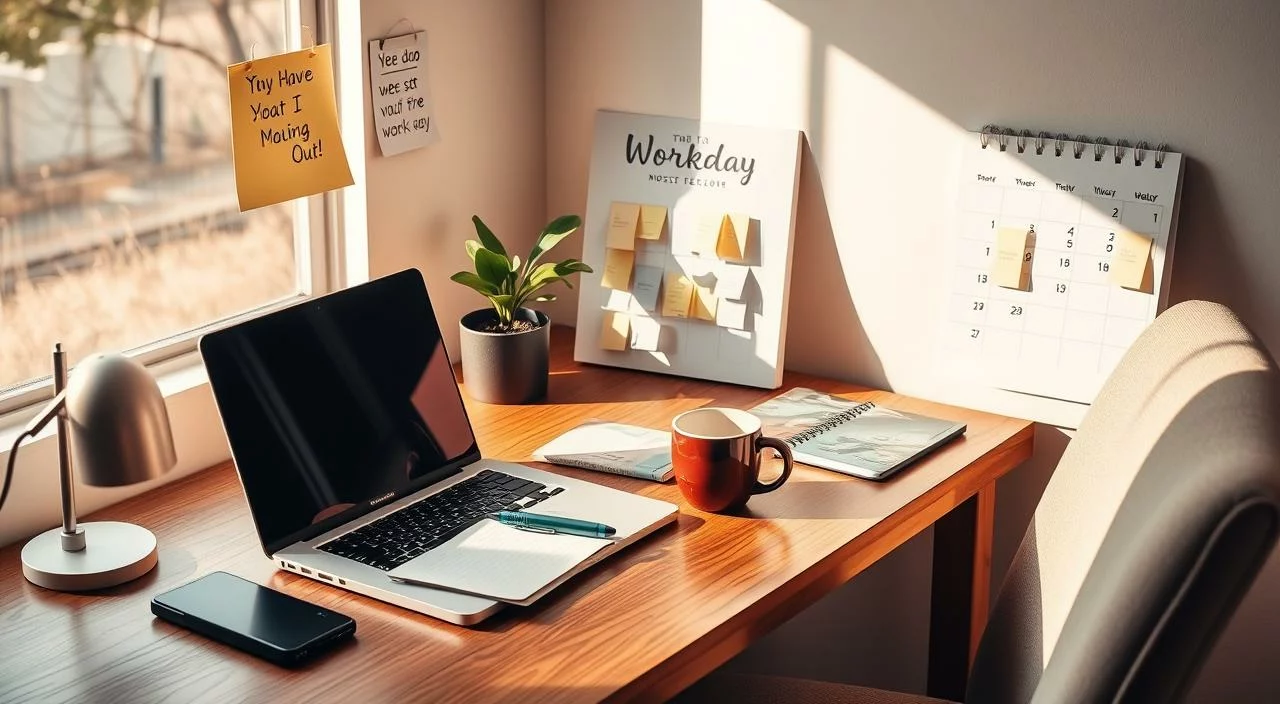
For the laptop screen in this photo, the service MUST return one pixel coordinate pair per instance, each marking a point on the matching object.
(338, 405)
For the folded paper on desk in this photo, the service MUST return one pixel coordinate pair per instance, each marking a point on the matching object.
(856, 438)
(484, 558)
(617, 448)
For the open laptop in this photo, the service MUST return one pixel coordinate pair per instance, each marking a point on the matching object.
(361, 469)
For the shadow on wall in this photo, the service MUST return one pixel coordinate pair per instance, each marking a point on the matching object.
(824, 301)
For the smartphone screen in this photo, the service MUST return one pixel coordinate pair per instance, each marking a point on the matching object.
(247, 609)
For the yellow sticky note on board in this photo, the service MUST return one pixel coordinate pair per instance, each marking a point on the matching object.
(1131, 260)
(731, 242)
(285, 141)
(624, 223)
(704, 304)
(617, 269)
(615, 331)
(653, 218)
(1012, 266)
(676, 295)
(707, 235)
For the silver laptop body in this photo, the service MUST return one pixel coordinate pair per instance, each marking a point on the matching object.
(343, 411)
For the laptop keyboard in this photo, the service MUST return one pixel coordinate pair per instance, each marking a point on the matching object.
(399, 537)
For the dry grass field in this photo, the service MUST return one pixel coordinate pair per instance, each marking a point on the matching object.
(132, 294)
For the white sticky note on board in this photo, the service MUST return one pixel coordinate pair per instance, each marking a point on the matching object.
(618, 300)
(731, 314)
(645, 333)
(731, 280)
(648, 279)
(403, 115)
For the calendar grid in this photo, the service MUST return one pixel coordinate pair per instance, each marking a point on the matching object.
(1065, 332)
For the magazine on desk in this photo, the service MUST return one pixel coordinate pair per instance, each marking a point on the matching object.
(851, 437)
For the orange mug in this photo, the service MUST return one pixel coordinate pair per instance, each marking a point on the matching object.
(716, 456)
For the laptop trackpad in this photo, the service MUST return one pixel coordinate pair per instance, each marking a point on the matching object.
(498, 561)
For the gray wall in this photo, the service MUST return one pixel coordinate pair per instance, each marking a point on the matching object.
(884, 91)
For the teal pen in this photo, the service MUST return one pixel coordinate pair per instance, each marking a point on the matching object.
(553, 524)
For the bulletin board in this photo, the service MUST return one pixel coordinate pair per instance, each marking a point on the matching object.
(689, 229)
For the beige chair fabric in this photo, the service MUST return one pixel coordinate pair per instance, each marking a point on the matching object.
(1158, 517)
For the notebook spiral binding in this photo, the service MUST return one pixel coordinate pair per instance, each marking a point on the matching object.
(1003, 137)
(833, 421)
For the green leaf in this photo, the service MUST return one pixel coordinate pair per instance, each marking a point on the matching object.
(472, 246)
(572, 266)
(492, 267)
(467, 278)
(487, 238)
(546, 297)
(551, 235)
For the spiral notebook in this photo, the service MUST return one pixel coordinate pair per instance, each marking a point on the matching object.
(860, 439)
(1059, 259)
(616, 448)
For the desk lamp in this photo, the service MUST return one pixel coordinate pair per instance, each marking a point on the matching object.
(113, 416)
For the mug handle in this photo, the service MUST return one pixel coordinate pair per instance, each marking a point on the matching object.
(784, 451)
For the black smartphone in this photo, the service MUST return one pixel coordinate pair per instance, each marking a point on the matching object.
(264, 622)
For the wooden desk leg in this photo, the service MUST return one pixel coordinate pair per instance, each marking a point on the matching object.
(961, 593)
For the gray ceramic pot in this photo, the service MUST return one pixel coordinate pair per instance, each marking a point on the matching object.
(505, 367)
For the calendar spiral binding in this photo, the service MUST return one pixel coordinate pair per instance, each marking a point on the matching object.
(1023, 140)
(832, 422)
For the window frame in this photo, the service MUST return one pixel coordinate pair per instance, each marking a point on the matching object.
(315, 257)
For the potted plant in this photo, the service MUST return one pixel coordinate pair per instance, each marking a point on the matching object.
(505, 347)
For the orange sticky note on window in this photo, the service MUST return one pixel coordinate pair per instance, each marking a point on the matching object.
(653, 218)
(704, 304)
(1131, 260)
(615, 331)
(1012, 266)
(624, 223)
(676, 295)
(617, 269)
(285, 142)
(731, 241)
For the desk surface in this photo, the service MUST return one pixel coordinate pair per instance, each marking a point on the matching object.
(642, 624)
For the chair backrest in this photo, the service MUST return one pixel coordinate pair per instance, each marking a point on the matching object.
(1158, 517)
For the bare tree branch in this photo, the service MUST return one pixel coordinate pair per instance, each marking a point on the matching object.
(196, 51)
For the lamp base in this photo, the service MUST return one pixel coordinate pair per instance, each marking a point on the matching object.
(114, 553)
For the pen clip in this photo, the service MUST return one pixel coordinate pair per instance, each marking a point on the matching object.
(533, 529)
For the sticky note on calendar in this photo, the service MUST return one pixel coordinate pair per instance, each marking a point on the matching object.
(645, 333)
(624, 225)
(648, 279)
(653, 218)
(615, 331)
(1131, 260)
(1014, 250)
(617, 269)
(618, 300)
(677, 295)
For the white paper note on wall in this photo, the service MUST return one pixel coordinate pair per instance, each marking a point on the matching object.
(402, 108)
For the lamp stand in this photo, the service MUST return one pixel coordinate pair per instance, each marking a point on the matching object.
(88, 556)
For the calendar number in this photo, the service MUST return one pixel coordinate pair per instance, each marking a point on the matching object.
(1103, 266)
(988, 251)
(1026, 256)
(1060, 288)
(982, 278)
(1015, 310)
(1115, 212)
(1064, 263)
(1032, 230)
(1070, 244)
(973, 332)
(993, 224)
(1071, 230)
(1111, 237)
(979, 305)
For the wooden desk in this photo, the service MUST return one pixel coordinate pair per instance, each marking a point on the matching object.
(642, 625)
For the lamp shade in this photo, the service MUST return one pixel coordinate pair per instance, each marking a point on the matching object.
(120, 431)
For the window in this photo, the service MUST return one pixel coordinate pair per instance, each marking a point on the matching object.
(119, 227)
